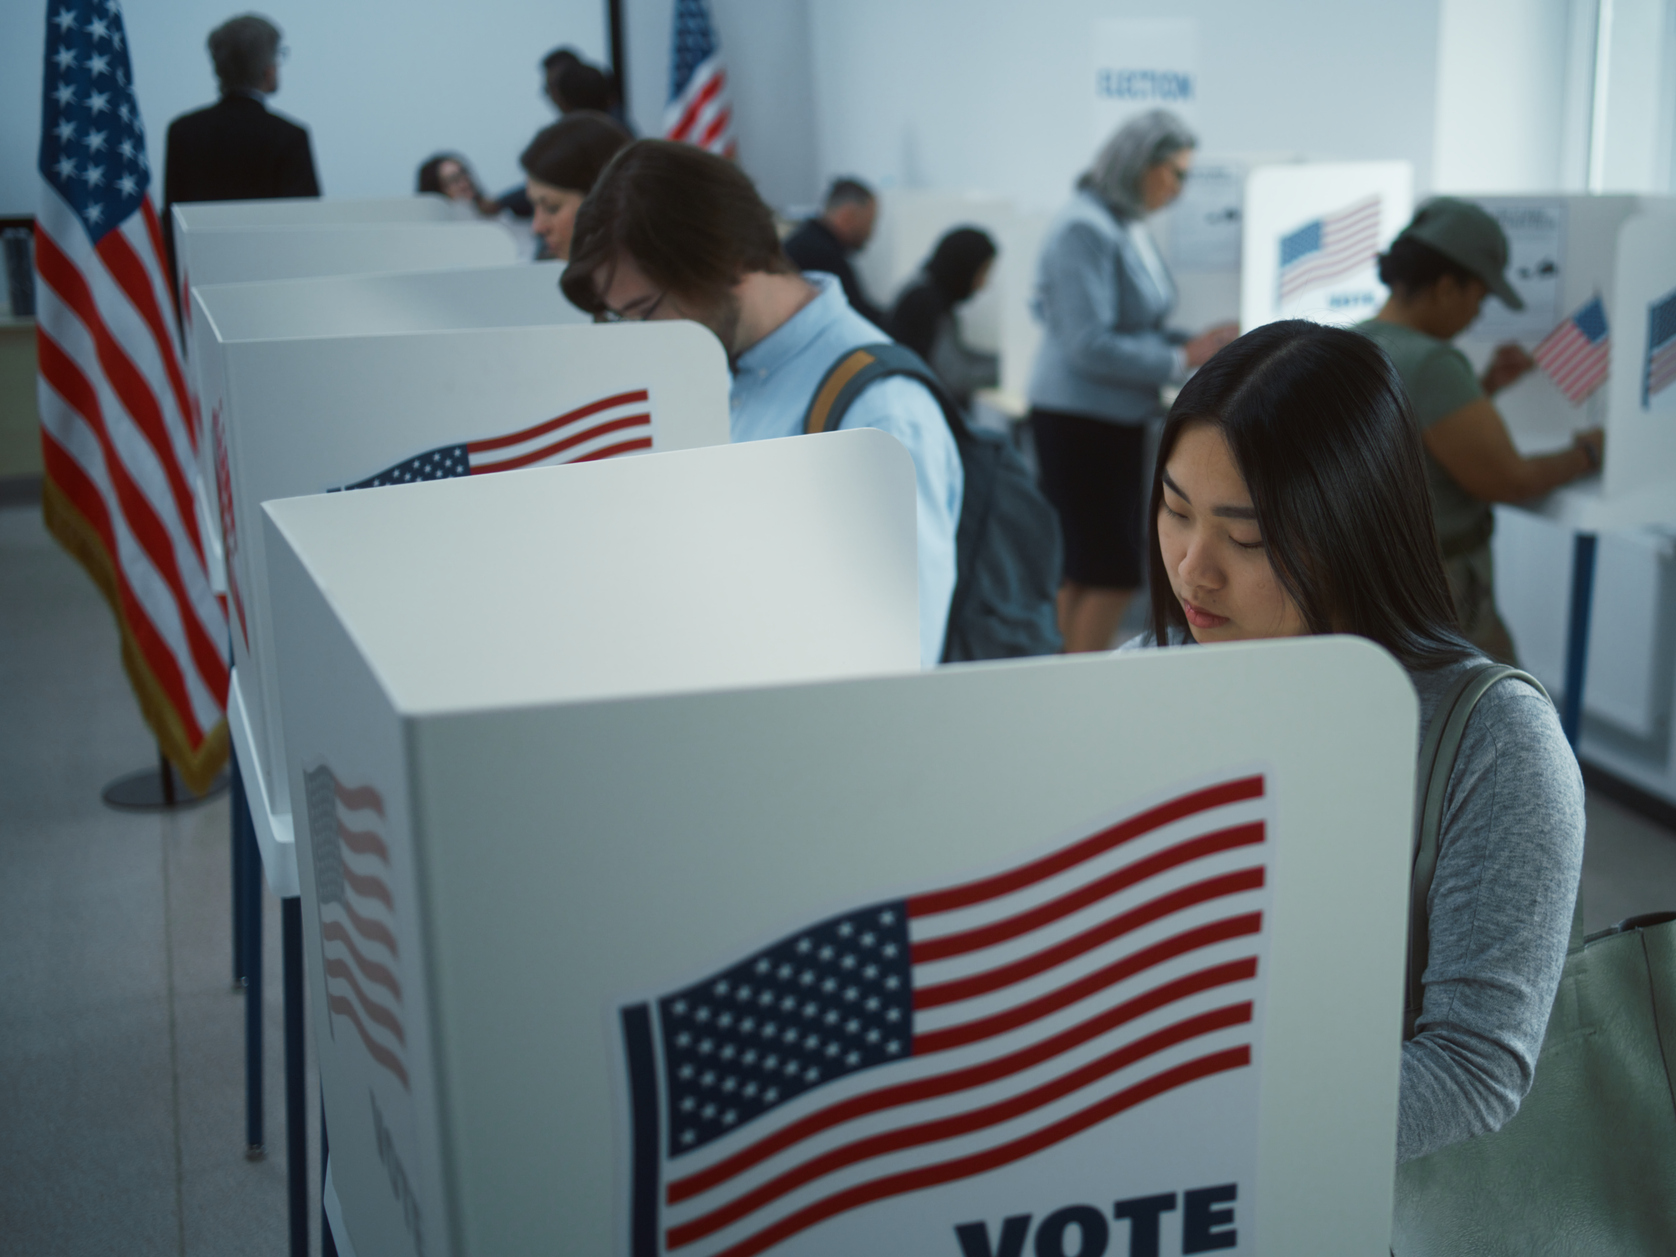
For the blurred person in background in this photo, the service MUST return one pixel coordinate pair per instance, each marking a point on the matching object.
(1103, 295)
(448, 174)
(562, 163)
(923, 317)
(825, 243)
(235, 149)
(1439, 270)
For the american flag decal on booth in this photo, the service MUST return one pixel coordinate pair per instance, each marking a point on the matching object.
(1329, 248)
(358, 931)
(607, 428)
(924, 1041)
(1577, 353)
(1660, 371)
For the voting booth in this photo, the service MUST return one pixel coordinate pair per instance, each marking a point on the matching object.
(401, 301)
(314, 211)
(1598, 277)
(305, 415)
(675, 951)
(1311, 239)
(242, 253)
(996, 320)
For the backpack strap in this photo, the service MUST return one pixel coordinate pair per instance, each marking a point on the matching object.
(852, 373)
(1436, 765)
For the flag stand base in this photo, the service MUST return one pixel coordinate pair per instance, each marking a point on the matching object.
(158, 790)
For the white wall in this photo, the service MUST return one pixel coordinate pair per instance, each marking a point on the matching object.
(380, 85)
(995, 95)
(1639, 99)
(1509, 95)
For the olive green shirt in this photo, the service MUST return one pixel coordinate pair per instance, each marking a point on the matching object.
(1439, 381)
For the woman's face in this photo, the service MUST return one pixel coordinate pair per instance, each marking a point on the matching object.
(455, 183)
(1163, 180)
(981, 277)
(555, 214)
(1207, 533)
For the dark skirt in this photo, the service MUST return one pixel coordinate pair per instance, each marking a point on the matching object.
(1091, 472)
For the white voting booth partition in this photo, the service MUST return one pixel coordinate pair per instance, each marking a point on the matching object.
(696, 955)
(314, 414)
(311, 211)
(525, 295)
(243, 253)
(998, 319)
(1567, 253)
(1311, 238)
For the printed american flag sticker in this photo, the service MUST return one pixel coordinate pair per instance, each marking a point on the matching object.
(357, 910)
(609, 427)
(975, 1050)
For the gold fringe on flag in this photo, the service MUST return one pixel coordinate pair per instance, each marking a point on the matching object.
(197, 765)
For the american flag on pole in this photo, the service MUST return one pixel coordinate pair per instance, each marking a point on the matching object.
(116, 440)
(357, 915)
(1329, 248)
(607, 428)
(699, 111)
(1577, 352)
(1660, 371)
(922, 1041)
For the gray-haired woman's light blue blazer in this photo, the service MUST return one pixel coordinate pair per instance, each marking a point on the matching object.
(1105, 350)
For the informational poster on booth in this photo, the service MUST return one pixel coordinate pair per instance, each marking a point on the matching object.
(1535, 230)
(1141, 64)
(978, 1065)
(1205, 221)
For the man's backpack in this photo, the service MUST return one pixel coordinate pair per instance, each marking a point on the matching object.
(1008, 551)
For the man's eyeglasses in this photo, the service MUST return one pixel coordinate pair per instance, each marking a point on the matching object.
(637, 316)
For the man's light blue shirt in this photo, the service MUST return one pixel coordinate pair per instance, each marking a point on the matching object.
(775, 380)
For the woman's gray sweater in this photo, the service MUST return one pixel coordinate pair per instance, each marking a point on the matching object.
(1509, 856)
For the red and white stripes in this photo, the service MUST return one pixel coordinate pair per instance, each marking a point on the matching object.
(703, 113)
(121, 468)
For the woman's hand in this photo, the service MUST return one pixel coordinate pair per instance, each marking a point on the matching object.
(1592, 442)
(1203, 347)
(1508, 364)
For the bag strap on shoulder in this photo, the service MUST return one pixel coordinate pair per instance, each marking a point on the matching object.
(1438, 752)
(852, 373)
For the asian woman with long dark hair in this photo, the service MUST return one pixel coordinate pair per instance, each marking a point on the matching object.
(1289, 498)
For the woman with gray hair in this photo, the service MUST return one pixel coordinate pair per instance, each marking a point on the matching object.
(1103, 294)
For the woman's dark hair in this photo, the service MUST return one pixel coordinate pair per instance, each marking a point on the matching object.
(430, 173)
(1320, 428)
(954, 264)
(692, 221)
(571, 153)
(1411, 266)
(944, 282)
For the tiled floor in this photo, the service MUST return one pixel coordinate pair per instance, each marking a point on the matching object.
(121, 1038)
(121, 1041)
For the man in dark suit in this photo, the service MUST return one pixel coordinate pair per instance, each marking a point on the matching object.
(825, 243)
(235, 150)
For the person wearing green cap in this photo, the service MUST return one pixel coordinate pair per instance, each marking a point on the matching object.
(1439, 271)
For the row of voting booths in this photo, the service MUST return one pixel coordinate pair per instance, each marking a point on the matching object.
(1258, 237)
(651, 899)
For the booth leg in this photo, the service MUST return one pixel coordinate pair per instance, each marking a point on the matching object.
(250, 895)
(296, 1111)
(236, 831)
(1577, 635)
(328, 1242)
